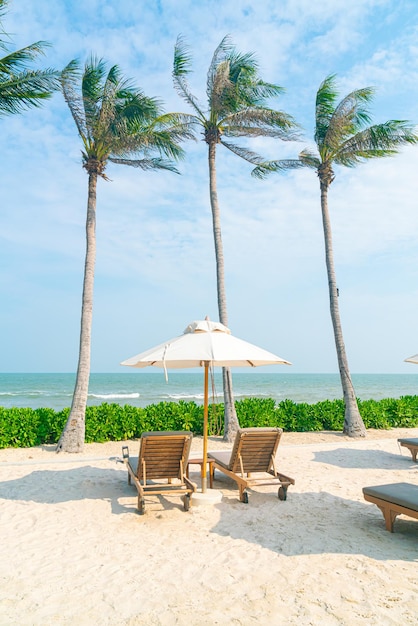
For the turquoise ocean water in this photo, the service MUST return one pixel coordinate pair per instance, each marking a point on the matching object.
(140, 388)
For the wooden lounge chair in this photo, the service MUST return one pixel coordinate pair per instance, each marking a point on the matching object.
(162, 457)
(412, 445)
(393, 500)
(253, 452)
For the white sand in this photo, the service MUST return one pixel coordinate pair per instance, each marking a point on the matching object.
(75, 552)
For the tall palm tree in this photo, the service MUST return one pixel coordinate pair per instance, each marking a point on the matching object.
(343, 136)
(20, 86)
(236, 107)
(116, 122)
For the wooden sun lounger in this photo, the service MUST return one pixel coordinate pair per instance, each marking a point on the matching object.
(253, 452)
(412, 445)
(393, 500)
(163, 457)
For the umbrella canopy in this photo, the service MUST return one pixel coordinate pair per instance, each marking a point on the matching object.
(204, 344)
(412, 359)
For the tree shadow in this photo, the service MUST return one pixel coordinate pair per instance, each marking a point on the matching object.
(351, 458)
(317, 523)
(81, 483)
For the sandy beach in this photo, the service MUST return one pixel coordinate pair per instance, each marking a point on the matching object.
(75, 551)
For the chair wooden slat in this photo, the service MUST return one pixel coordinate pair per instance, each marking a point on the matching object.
(253, 452)
(162, 457)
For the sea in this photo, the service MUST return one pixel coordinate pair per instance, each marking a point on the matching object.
(141, 389)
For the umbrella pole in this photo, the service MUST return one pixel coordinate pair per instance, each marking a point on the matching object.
(205, 428)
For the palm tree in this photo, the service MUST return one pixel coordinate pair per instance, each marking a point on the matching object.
(344, 137)
(236, 107)
(20, 86)
(116, 122)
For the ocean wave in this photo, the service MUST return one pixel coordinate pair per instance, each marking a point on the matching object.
(185, 396)
(218, 396)
(251, 394)
(32, 393)
(114, 395)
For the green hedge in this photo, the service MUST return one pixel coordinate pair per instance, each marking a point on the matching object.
(21, 428)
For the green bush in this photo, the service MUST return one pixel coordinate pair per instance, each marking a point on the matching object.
(330, 413)
(18, 428)
(24, 427)
(256, 412)
(406, 413)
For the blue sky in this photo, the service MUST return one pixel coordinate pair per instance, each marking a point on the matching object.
(155, 268)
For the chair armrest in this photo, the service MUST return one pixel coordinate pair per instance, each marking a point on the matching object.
(190, 484)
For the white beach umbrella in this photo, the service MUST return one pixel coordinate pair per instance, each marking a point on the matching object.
(205, 344)
(412, 359)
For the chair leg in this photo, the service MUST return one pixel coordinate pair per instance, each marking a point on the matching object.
(243, 494)
(389, 517)
(282, 493)
(141, 505)
(211, 474)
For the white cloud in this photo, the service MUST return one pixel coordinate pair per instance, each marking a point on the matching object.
(155, 259)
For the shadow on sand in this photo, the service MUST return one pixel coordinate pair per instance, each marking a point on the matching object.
(306, 523)
(317, 523)
(371, 459)
(80, 483)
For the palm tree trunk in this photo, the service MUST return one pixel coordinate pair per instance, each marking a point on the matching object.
(72, 438)
(231, 423)
(353, 423)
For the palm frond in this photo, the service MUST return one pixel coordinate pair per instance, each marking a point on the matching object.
(242, 62)
(220, 55)
(324, 108)
(182, 57)
(309, 159)
(247, 88)
(181, 67)
(146, 141)
(259, 91)
(133, 104)
(162, 134)
(93, 78)
(233, 82)
(3, 7)
(349, 117)
(250, 89)
(71, 72)
(18, 60)
(220, 85)
(117, 122)
(147, 164)
(92, 87)
(70, 77)
(123, 110)
(20, 86)
(180, 125)
(268, 167)
(355, 107)
(106, 107)
(244, 153)
(27, 89)
(377, 141)
(261, 122)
